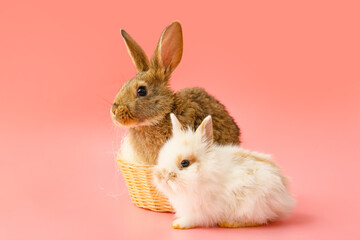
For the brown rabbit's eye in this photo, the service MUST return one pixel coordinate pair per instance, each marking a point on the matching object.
(185, 163)
(141, 91)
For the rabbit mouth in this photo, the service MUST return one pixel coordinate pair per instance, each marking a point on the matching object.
(122, 117)
(124, 121)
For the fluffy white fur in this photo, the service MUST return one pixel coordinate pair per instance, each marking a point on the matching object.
(226, 185)
(126, 151)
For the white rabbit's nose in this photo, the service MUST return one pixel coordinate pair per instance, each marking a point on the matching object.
(170, 176)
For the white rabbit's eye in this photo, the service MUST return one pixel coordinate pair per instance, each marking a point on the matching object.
(141, 91)
(185, 163)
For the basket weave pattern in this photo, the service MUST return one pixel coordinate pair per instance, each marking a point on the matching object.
(143, 194)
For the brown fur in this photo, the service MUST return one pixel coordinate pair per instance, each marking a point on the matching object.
(161, 174)
(149, 117)
(191, 159)
(251, 171)
(137, 54)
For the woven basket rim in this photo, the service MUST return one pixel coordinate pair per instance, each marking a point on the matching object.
(119, 159)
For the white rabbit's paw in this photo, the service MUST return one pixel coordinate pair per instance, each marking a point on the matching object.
(237, 225)
(182, 223)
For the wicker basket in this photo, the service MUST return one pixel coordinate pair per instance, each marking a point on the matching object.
(138, 180)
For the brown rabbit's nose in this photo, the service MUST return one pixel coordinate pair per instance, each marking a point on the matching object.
(122, 115)
(114, 108)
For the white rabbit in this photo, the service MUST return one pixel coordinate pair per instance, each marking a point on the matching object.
(212, 185)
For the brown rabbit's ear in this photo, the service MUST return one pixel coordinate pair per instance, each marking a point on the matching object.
(206, 130)
(176, 125)
(136, 53)
(169, 49)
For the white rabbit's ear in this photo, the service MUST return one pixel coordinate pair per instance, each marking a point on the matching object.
(136, 53)
(206, 130)
(169, 49)
(176, 125)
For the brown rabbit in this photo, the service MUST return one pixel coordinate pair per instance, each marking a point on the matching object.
(144, 103)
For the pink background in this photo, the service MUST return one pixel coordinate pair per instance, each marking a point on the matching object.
(287, 71)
